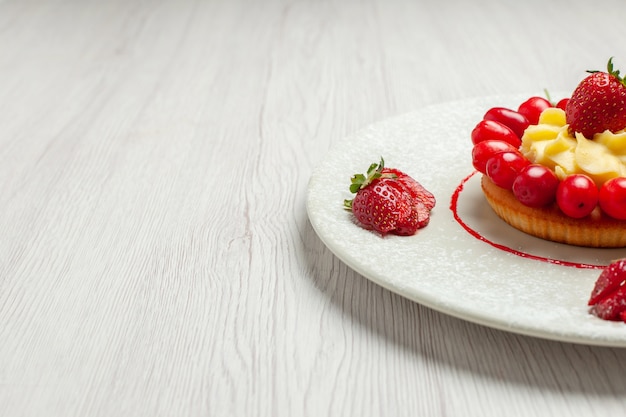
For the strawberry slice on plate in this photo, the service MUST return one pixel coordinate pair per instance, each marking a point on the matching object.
(389, 201)
(608, 297)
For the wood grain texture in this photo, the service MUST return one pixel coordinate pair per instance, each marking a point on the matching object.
(155, 254)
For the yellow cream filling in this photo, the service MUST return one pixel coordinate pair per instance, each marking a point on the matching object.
(549, 143)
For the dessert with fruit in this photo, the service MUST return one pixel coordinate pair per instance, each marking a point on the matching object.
(557, 171)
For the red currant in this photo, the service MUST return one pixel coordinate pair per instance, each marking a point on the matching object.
(484, 150)
(503, 167)
(577, 195)
(562, 104)
(535, 186)
(490, 129)
(510, 118)
(613, 198)
(532, 108)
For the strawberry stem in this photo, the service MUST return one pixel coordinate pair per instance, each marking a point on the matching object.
(547, 93)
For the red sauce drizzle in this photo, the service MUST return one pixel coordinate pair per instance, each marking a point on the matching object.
(453, 207)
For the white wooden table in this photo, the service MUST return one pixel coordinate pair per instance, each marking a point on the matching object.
(156, 258)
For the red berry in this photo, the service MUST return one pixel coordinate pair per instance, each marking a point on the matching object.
(532, 108)
(510, 118)
(562, 104)
(535, 186)
(612, 198)
(492, 130)
(577, 195)
(504, 167)
(598, 103)
(484, 150)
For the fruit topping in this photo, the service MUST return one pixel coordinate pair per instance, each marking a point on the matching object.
(562, 103)
(598, 103)
(536, 186)
(483, 151)
(532, 152)
(389, 201)
(515, 121)
(533, 107)
(612, 198)
(504, 167)
(492, 130)
(608, 297)
(577, 196)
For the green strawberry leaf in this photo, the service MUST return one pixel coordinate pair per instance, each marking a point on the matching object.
(372, 168)
(354, 188)
(360, 181)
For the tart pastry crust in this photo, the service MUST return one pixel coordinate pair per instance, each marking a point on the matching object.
(596, 230)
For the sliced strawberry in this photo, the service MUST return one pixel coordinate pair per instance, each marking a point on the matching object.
(423, 214)
(389, 201)
(611, 278)
(417, 190)
(407, 223)
(418, 218)
(612, 307)
(410, 223)
(608, 297)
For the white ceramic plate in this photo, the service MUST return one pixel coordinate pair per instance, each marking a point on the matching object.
(528, 289)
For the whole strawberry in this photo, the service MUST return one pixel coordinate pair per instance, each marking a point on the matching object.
(389, 201)
(608, 297)
(598, 103)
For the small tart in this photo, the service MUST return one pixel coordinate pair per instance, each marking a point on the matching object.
(596, 230)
